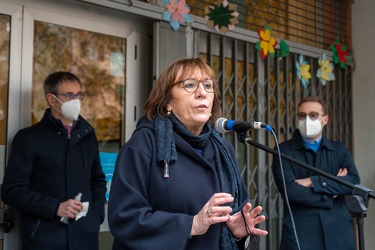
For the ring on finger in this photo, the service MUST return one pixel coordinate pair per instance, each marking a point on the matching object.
(209, 213)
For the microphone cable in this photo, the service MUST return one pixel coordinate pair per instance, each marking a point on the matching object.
(285, 192)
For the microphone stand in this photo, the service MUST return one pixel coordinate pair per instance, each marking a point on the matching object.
(357, 202)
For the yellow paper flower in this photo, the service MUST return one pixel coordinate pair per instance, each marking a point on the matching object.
(325, 72)
(267, 44)
(303, 71)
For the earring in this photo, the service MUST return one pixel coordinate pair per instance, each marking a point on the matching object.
(168, 112)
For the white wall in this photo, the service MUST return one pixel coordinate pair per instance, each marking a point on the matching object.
(364, 104)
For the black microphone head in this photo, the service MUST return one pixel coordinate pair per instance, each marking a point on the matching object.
(219, 125)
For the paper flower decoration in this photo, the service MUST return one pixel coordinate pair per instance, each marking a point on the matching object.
(176, 12)
(340, 55)
(222, 16)
(284, 49)
(267, 44)
(324, 73)
(303, 71)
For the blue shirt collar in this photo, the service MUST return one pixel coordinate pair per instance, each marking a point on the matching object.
(313, 144)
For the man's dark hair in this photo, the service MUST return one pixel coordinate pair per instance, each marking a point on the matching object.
(53, 81)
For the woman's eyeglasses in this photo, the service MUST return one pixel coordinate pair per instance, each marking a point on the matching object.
(191, 85)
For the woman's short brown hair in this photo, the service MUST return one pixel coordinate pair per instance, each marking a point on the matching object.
(161, 93)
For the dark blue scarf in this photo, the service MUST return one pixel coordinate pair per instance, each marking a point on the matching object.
(230, 180)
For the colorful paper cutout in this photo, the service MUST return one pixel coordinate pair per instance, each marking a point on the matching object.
(303, 71)
(176, 12)
(340, 55)
(325, 72)
(222, 16)
(284, 49)
(267, 43)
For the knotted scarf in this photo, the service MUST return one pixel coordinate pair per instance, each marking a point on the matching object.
(230, 180)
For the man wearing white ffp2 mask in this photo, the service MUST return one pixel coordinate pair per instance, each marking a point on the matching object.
(317, 203)
(70, 109)
(309, 125)
(50, 163)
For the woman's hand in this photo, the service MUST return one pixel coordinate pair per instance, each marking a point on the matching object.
(212, 213)
(237, 226)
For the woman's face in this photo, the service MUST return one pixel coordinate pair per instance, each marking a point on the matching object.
(192, 109)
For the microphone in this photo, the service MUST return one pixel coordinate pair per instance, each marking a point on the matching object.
(222, 125)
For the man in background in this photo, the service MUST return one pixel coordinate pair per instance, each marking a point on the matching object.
(321, 218)
(54, 176)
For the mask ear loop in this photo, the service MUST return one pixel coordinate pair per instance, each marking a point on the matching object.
(59, 102)
(57, 98)
(325, 122)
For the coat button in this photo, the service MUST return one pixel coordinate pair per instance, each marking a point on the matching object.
(324, 184)
(325, 197)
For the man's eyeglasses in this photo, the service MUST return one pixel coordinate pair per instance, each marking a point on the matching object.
(313, 115)
(191, 85)
(71, 96)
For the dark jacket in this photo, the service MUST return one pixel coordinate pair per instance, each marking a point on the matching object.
(147, 211)
(322, 221)
(46, 168)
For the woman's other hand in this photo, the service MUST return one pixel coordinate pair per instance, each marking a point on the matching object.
(237, 226)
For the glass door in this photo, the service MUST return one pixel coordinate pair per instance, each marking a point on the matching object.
(108, 50)
(99, 61)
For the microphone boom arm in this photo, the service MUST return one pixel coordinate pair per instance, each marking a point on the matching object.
(247, 140)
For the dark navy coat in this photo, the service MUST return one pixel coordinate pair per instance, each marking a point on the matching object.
(46, 168)
(147, 211)
(322, 221)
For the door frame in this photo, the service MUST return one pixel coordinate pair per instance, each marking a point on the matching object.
(10, 240)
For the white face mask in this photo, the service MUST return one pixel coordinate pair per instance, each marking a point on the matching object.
(70, 109)
(310, 128)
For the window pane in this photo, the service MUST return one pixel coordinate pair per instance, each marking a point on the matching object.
(99, 61)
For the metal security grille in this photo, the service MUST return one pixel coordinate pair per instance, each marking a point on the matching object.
(269, 90)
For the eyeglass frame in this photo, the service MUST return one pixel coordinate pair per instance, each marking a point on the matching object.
(71, 96)
(214, 84)
(312, 113)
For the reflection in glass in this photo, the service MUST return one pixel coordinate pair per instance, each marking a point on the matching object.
(99, 61)
(4, 83)
(4, 76)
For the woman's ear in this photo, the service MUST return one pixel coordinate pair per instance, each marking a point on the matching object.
(169, 107)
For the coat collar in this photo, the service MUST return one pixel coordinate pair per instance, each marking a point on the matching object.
(298, 143)
(80, 128)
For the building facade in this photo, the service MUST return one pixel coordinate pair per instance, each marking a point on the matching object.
(118, 48)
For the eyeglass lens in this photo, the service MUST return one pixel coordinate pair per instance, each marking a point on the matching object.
(71, 96)
(191, 85)
(313, 115)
